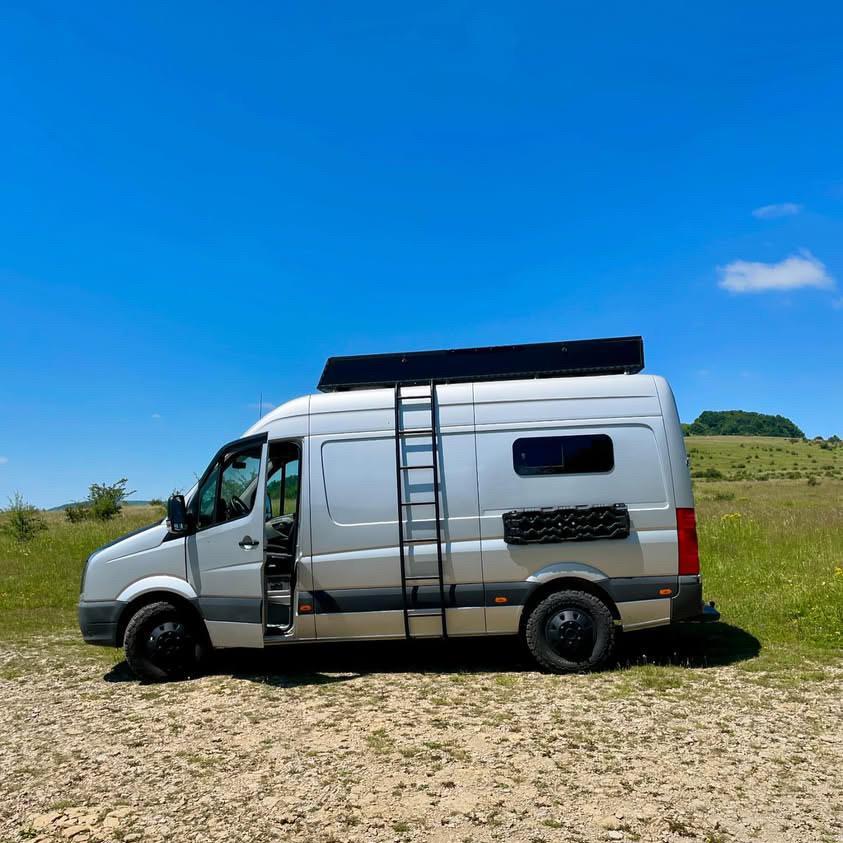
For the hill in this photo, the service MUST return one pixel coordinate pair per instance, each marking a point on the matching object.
(742, 423)
(763, 458)
(125, 503)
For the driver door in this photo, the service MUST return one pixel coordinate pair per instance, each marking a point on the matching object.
(225, 554)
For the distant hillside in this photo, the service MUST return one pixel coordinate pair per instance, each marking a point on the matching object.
(764, 458)
(741, 423)
(125, 503)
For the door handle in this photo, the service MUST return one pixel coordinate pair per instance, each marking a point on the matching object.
(247, 544)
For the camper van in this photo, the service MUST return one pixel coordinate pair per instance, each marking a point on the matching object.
(539, 491)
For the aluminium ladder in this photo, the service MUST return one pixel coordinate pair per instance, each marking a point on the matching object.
(411, 582)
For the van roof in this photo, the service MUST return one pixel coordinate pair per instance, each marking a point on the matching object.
(606, 386)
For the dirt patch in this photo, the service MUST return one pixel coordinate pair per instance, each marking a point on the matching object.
(294, 748)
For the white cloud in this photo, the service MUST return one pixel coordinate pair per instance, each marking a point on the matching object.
(3, 460)
(793, 273)
(772, 212)
(156, 415)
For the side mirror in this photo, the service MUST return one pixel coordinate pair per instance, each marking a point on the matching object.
(177, 515)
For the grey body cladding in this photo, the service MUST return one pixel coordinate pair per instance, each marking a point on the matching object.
(231, 609)
(99, 621)
(468, 595)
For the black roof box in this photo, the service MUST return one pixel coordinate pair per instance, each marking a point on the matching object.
(616, 355)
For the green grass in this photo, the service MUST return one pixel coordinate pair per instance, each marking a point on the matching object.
(772, 558)
(39, 581)
(763, 458)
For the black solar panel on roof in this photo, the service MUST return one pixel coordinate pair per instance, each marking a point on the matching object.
(616, 355)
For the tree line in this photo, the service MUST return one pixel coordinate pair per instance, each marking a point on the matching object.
(741, 423)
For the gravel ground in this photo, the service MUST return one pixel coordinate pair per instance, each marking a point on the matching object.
(386, 743)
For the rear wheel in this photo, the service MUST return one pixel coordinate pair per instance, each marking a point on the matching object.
(570, 631)
(162, 642)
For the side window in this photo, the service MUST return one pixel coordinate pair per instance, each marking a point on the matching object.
(239, 484)
(291, 488)
(580, 454)
(208, 499)
(230, 489)
(282, 482)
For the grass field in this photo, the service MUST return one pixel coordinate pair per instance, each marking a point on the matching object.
(39, 581)
(763, 458)
(772, 552)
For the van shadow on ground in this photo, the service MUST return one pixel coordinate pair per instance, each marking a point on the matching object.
(694, 646)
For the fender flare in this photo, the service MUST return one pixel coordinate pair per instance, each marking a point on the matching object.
(160, 582)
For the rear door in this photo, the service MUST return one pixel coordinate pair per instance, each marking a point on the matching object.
(225, 555)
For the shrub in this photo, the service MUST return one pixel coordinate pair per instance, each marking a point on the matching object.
(813, 481)
(106, 499)
(23, 521)
(708, 474)
(77, 511)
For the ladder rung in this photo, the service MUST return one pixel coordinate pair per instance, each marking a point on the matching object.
(422, 577)
(419, 503)
(424, 613)
(417, 431)
(421, 541)
(413, 467)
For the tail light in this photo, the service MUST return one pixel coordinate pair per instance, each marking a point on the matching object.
(686, 530)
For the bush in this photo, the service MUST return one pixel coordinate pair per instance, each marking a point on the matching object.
(106, 500)
(708, 474)
(813, 481)
(157, 502)
(23, 521)
(77, 511)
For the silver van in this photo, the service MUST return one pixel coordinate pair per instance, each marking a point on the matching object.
(537, 490)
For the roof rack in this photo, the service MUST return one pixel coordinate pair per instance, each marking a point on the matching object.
(615, 355)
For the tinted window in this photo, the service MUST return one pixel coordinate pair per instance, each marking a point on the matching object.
(563, 455)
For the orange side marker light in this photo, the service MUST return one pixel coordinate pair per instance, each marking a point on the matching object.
(665, 592)
(305, 608)
(501, 600)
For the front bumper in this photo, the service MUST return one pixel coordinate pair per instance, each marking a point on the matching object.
(688, 606)
(99, 621)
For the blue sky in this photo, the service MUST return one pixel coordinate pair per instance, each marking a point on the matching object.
(200, 202)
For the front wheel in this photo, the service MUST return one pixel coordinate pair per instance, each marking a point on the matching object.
(570, 631)
(162, 642)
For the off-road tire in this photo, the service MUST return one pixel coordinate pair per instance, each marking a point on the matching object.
(565, 608)
(141, 657)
